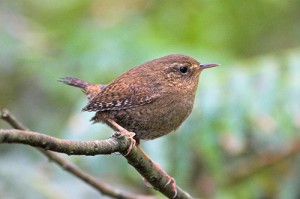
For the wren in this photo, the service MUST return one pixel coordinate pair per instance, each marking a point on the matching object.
(151, 100)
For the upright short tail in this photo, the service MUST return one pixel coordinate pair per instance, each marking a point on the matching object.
(72, 81)
(90, 90)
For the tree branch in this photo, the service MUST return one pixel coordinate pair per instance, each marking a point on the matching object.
(71, 168)
(117, 143)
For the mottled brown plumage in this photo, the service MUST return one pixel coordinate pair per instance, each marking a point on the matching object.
(150, 100)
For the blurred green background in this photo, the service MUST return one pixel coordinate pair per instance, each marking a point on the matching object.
(242, 138)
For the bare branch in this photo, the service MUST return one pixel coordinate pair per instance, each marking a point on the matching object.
(91, 180)
(117, 143)
(76, 171)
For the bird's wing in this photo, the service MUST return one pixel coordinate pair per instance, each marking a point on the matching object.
(122, 96)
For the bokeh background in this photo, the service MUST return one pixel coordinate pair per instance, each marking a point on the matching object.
(242, 138)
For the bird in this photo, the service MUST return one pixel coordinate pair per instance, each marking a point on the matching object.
(148, 101)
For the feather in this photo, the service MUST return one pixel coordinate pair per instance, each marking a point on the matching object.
(117, 96)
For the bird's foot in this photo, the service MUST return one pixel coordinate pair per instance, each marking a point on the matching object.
(132, 141)
(169, 178)
(170, 181)
(173, 184)
(123, 131)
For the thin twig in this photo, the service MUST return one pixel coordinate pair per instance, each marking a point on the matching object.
(70, 167)
(117, 143)
(111, 145)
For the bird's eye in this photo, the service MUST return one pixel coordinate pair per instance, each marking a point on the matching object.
(183, 69)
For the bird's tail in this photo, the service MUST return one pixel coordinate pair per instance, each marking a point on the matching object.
(90, 90)
(72, 81)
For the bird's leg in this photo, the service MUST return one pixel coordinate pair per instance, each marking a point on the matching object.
(170, 179)
(124, 132)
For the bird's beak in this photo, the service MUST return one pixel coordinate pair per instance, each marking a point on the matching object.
(204, 66)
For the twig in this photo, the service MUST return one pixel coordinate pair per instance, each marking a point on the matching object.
(70, 167)
(111, 145)
(117, 143)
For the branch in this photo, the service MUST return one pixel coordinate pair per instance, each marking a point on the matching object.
(117, 143)
(71, 168)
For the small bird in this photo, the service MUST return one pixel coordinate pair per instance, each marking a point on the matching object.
(151, 100)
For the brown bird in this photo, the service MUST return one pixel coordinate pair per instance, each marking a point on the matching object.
(150, 100)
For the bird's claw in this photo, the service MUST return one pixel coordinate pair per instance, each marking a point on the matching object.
(173, 184)
(170, 181)
(123, 132)
(132, 142)
(120, 134)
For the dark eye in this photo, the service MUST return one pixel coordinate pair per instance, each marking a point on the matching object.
(183, 69)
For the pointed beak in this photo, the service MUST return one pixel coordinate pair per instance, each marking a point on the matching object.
(204, 66)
